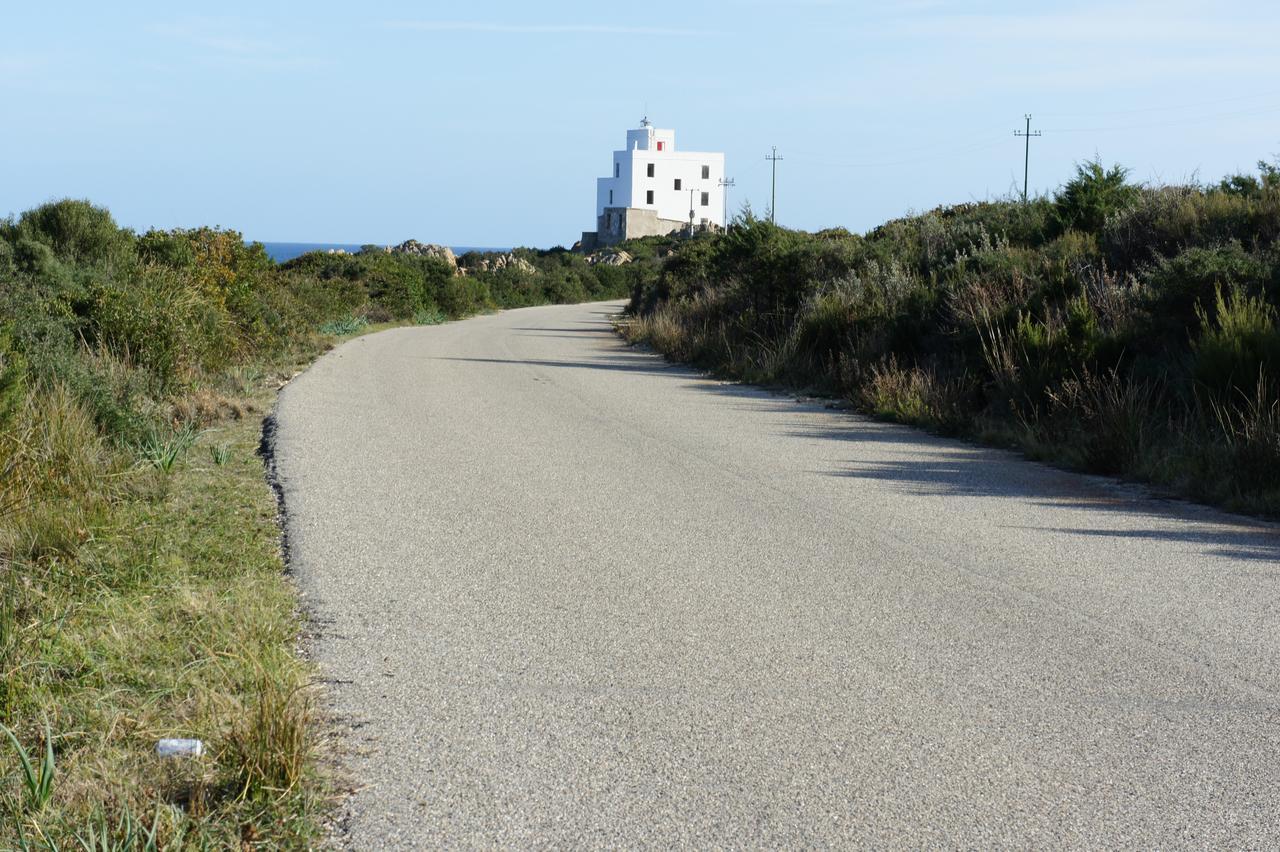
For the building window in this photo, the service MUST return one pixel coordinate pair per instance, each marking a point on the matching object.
(677, 183)
(651, 170)
(617, 169)
(611, 198)
(660, 145)
(706, 172)
(706, 199)
(648, 196)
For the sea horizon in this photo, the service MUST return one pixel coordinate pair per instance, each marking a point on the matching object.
(284, 251)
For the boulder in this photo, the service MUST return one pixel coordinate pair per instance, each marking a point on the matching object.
(610, 258)
(427, 250)
(507, 260)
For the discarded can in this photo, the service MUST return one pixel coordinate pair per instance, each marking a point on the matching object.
(180, 748)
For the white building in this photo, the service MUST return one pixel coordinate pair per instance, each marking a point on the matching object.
(656, 188)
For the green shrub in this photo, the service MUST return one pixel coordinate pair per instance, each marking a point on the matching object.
(1238, 346)
(1095, 193)
(1248, 186)
(1176, 286)
(160, 319)
(77, 232)
(1165, 221)
(13, 377)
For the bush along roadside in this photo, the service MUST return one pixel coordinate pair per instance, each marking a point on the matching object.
(142, 589)
(1113, 328)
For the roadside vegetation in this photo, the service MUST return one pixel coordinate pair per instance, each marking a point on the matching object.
(1112, 328)
(142, 590)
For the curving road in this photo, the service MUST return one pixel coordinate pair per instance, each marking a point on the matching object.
(570, 595)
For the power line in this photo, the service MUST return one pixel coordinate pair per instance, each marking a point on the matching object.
(773, 192)
(1026, 161)
(935, 153)
(1177, 122)
(1170, 108)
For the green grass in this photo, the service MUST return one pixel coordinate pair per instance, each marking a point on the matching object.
(149, 601)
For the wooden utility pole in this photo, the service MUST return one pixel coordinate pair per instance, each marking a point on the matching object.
(724, 184)
(773, 193)
(1026, 157)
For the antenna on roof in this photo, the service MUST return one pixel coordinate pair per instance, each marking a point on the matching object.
(644, 122)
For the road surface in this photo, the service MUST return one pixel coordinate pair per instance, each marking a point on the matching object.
(570, 595)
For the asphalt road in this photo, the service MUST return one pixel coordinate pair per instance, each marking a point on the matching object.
(569, 595)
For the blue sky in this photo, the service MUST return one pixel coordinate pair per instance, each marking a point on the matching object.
(486, 123)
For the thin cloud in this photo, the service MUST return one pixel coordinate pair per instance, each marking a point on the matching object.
(24, 63)
(539, 29)
(1140, 23)
(222, 43)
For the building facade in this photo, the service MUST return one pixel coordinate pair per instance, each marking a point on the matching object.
(656, 189)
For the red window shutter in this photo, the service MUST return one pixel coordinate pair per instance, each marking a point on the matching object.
(660, 144)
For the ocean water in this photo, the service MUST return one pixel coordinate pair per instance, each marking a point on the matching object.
(280, 252)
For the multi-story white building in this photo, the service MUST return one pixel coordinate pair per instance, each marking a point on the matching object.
(656, 189)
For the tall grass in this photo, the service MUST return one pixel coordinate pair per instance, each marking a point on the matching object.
(271, 745)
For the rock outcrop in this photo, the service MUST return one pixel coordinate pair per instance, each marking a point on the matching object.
(610, 258)
(497, 262)
(427, 250)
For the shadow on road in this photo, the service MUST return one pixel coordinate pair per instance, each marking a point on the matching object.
(629, 365)
(949, 468)
(937, 466)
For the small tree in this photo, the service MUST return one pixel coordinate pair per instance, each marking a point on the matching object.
(1249, 186)
(1091, 196)
(78, 232)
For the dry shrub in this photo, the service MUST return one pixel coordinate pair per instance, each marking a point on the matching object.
(204, 406)
(1106, 419)
(981, 299)
(1115, 299)
(917, 395)
(660, 329)
(689, 330)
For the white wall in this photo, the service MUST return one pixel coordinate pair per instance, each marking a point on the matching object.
(631, 187)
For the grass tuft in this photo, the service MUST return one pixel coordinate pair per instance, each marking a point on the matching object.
(163, 448)
(220, 454)
(37, 780)
(430, 316)
(344, 326)
(271, 746)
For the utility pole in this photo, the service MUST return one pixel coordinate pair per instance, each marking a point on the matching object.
(773, 193)
(724, 184)
(691, 191)
(1026, 158)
